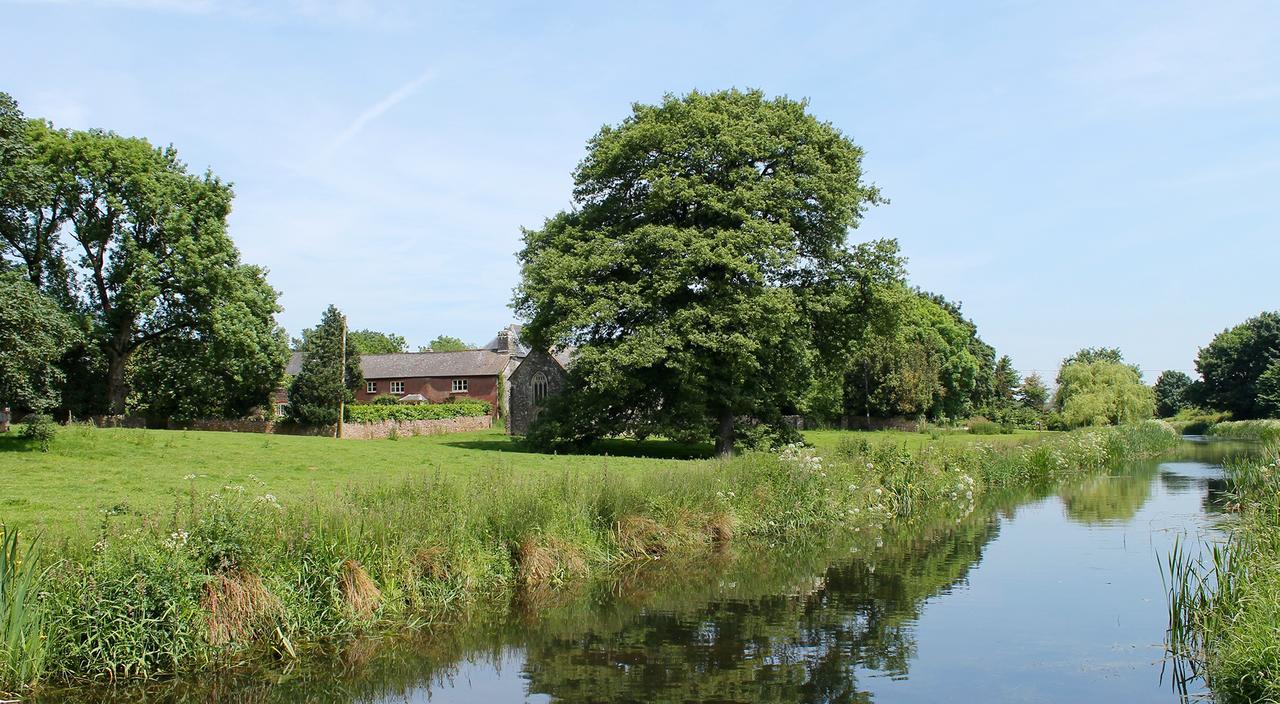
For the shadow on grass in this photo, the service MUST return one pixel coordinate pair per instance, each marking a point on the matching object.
(613, 447)
(12, 441)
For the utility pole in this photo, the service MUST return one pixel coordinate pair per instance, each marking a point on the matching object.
(342, 394)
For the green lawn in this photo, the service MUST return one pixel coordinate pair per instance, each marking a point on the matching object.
(65, 491)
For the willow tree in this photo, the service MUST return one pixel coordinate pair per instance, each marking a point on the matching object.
(685, 274)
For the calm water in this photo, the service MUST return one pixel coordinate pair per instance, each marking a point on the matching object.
(1030, 597)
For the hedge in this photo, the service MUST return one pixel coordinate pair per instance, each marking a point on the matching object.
(373, 413)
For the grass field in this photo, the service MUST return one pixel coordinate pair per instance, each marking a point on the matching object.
(64, 492)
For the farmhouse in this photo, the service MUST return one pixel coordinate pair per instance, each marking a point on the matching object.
(524, 377)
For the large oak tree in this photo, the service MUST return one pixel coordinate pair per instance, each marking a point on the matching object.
(706, 234)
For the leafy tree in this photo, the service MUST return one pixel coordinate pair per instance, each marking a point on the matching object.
(921, 363)
(321, 385)
(1268, 386)
(1102, 392)
(1033, 393)
(228, 370)
(1232, 366)
(122, 232)
(1005, 382)
(682, 274)
(1171, 393)
(445, 343)
(374, 342)
(34, 335)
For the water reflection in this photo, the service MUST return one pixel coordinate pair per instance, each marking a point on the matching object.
(1033, 595)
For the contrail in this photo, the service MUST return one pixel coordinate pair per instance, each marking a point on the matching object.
(374, 111)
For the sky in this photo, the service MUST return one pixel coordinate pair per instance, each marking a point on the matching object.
(1076, 174)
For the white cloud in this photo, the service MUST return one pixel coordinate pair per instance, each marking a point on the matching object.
(376, 110)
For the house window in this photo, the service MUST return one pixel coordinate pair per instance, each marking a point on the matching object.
(539, 387)
(371, 387)
(460, 386)
(397, 387)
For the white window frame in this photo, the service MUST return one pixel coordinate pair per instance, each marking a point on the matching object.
(461, 386)
(371, 387)
(397, 387)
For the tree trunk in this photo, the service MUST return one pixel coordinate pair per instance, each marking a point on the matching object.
(117, 389)
(724, 434)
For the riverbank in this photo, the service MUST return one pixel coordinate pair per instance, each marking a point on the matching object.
(1225, 610)
(240, 573)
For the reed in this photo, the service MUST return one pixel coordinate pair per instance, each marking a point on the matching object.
(22, 645)
(1224, 599)
(223, 576)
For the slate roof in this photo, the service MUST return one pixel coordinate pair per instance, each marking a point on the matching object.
(421, 364)
(409, 365)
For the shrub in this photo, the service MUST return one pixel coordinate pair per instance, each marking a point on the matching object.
(370, 413)
(41, 429)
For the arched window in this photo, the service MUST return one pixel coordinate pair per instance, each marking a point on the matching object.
(539, 386)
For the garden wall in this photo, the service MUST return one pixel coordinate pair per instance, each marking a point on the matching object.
(352, 431)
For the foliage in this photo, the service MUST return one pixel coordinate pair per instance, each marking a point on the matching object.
(705, 231)
(920, 362)
(1267, 430)
(372, 413)
(228, 370)
(40, 429)
(1232, 367)
(1171, 393)
(119, 230)
(323, 383)
(1033, 393)
(34, 335)
(1224, 608)
(22, 645)
(445, 343)
(145, 600)
(374, 342)
(1102, 392)
(1197, 421)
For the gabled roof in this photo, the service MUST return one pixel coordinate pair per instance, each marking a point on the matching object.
(420, 364)
(407, 365)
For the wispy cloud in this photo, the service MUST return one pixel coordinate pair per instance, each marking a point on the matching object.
(375, 111)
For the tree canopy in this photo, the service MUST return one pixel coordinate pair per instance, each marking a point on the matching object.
(1102, 392)
(1171, 393)
(446, 343)
(1233, 364)
(374, 342)
(708, 233)
(34, 335)
(120, 231)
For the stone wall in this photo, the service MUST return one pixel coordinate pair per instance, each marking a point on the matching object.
(384, 429)
(521, 410)
(351, 431)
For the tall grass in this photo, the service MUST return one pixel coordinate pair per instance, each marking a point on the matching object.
(1267, 430)
(1224, 607)
(239, 571)
(22, 646)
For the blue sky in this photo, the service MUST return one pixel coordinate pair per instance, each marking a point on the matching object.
(1087, 173)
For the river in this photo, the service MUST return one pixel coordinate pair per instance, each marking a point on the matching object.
(1049, 595)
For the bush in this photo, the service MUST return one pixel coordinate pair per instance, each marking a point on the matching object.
(371, 413)
(1197, 421)
(1261, 430)
(41, 429)
(982, 426)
